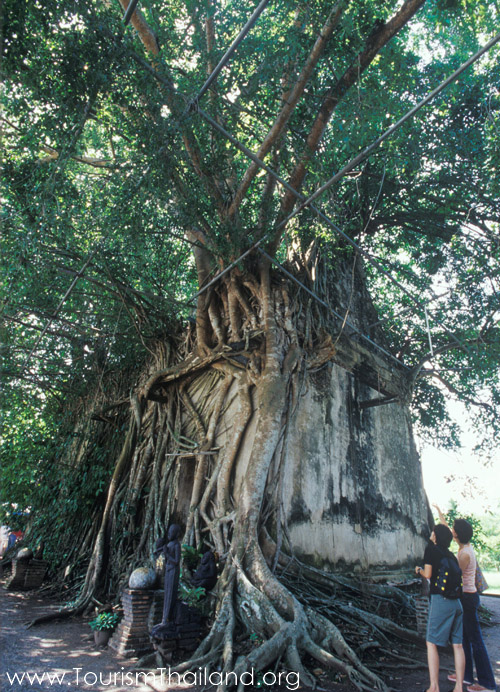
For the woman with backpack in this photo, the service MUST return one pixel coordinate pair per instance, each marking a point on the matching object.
(444, 622)
(474, 648)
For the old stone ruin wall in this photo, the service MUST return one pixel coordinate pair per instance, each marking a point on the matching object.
(353, 492)
(352, 489)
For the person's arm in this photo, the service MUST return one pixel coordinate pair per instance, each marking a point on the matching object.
(442, 518)
(425, 572)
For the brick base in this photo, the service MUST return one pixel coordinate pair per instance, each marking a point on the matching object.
(422, 604)
(16, 580)
(35, 573)
(131, 637)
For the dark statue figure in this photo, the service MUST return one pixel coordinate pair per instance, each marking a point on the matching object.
(171, 548)
(181, 625)
(206, 574)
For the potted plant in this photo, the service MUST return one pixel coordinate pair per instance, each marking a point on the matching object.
(103, 626)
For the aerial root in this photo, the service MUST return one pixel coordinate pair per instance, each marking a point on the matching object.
(333, 639)
(198, 662)
(283, 630)
(61, 614)
(316, 635)
(383, 624)
(294, 663)
(228, 647)
(288, 636)
(356, 675)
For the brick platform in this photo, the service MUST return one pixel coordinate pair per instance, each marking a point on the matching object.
(35, 573)
(16, 580)
(185, 633)
(422, 605)
(131, 637)
(156, 611)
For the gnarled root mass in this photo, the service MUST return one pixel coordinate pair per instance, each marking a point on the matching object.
(286, 632)
(205, 445)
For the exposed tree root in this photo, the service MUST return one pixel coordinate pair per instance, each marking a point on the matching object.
(272, 610)
(282, 629)
(63, 614)
(383, 624)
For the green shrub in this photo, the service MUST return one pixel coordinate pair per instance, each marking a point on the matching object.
(191, 596)
(105, 621)
(190, 557)
(194, 597)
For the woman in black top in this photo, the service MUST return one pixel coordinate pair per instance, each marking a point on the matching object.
(445, 619)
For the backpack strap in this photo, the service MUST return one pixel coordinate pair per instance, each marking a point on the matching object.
(447, 553)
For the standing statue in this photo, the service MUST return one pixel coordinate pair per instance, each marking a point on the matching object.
(171, 548)
(206, 574)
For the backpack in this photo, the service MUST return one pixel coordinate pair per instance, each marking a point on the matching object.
(449, 577)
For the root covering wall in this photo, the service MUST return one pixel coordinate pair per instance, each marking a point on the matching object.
(352, 488)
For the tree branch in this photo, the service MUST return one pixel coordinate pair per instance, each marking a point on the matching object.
(53, 155)
(292, 100)
(461, 396)
(416, 370)
(146, 34)
(59, 333)
(374, 43)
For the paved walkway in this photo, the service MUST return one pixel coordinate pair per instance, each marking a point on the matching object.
(53, 656)
(491, 635)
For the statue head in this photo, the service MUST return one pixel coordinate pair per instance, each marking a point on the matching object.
(174, 532)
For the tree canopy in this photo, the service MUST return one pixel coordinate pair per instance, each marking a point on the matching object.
(111, 175)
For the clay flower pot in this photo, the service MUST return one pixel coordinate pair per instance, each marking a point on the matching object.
(102, 637)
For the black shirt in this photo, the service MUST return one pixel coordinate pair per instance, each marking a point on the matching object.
(432, 556)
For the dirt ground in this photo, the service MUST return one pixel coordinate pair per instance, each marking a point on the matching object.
(62, 655)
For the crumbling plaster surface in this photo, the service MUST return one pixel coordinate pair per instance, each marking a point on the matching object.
(353, 489)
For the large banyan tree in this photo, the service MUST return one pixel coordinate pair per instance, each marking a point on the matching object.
(190, 338)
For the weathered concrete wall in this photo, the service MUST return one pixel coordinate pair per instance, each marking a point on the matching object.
(353, 490)
(352, 486)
